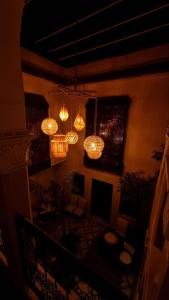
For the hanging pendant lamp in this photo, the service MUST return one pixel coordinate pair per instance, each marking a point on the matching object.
(49, 126)
(79, 123)
(72, 137)
(59, 146)
(94, 144)
(64, 114)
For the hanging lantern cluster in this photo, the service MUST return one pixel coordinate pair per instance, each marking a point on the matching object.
(49, 126)
(72, 137)
(64, 114)
(79, 123)
(59, 146)
(93, 144)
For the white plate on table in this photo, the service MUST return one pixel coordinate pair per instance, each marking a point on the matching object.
(125, 257)
(110, 238)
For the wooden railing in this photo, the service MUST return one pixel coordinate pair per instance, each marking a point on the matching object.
(2, 247)
(3, 256)
(54, 273)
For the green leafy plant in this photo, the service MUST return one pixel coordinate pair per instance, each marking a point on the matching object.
(158, 154)
(137, 191)
(137, 195)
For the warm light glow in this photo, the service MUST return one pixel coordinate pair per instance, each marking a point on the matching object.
(64, 115)
(94, 146)
(59, 146)
(71, 137)
(49, 126)
(94, 155)
(79, 123)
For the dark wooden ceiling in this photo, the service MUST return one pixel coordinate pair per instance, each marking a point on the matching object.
(80, 31)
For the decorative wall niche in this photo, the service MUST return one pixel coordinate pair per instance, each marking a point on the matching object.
(36, 110)
(111, 125)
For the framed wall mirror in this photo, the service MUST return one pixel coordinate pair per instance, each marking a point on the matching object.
(111, 124)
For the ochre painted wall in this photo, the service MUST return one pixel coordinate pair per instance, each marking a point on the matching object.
(13, 137)
(147, 121)
(11, 97)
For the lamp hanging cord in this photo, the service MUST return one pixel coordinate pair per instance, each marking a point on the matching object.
(71, 113)
(95, 117)
(76, 83)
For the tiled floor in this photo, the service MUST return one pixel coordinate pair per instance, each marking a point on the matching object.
(85, 230)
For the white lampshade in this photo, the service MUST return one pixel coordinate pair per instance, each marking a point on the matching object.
(49, 126)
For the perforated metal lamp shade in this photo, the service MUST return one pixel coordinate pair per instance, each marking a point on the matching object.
(72, 137)
(79, 123)
(94, 145)
(64, 115)
(59, 146)
(49, 126)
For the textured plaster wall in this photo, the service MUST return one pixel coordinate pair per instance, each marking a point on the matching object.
(11, 97)
(13, 174)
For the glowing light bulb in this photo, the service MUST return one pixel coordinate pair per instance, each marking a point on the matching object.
(64, 115)
(79, 123)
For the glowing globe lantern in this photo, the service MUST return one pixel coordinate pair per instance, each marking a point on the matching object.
(64, 115)
(59, 146)
(72, 137)
(79, 123)
(94, 155)
(49, 126)
(93, 145)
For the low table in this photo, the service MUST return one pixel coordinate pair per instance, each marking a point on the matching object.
(48, 215)
(108, 267)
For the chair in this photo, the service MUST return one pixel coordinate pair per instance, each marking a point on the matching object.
(71, 206)
(80, 208)
(76, 205)
(123, 223)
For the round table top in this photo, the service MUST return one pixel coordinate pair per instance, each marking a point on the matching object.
(110, 238)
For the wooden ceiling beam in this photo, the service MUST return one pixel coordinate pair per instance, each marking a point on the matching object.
(125, 38)
(146, 61)
(149, 12)
(96, 12)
